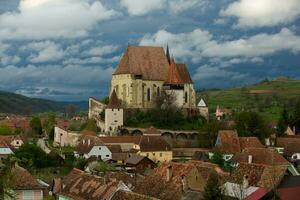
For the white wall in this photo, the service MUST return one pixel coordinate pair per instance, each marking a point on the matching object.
(65, 138)
(100, 151)
(113, 119)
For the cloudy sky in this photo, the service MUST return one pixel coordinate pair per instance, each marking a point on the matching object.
(68, 49)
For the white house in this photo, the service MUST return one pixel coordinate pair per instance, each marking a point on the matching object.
(203, 109)
(113, 114)
(92, 146)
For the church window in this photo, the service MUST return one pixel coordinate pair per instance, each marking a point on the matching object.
(186, 97)
(158, 91)
(148, 94)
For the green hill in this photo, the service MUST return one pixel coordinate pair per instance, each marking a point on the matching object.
(18, 104)
(266, 97)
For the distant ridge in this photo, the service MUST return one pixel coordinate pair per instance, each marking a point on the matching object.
(266, 97)
(19, 104)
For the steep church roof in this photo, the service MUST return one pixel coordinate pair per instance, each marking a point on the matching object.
(184, 73)
(173, 74)
(149, 62)
(114, 102)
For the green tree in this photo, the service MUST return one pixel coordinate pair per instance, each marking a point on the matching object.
(283, 122)
(251, 124)
(218, 159)
(49, 125)
(6, 178)
(91, 125)
(213, 190)
(212, 128)
(36, 126)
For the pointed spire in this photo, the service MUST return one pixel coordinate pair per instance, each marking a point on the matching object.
(114, 102)
(168, 54)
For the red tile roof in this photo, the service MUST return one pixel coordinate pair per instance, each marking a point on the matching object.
(173, 74)
(153, 143)
(292, 193)
(184, 73)
(124, 195)
(87, 142)
(150, 62)
(23, 180)
(228, 142)
(114, 102)
(248, 142)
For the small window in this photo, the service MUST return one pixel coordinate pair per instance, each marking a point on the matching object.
(153, 154)
(28, 195)
(17, 142)
(147, 154)
(160, 154)
(61, 134)
(116, 121)
(99, 148)
(107, 156)
(148, 94)
(186, 97)
(158, 91)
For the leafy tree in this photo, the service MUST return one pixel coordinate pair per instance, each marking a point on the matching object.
(6, 178)
(91, 125)
(213, 190)
(49, 125)
(283, 122)
(251, 124)
(32, 156)
(218, 159)
(105, 100)
(101, 168)
(36, 126)
(212, 128)
(70, 110)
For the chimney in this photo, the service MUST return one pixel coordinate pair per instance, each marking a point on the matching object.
(169, 173)
(245, 182)
(250, 158)
(184, 183)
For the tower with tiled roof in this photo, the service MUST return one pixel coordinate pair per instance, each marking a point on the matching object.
(113, 114)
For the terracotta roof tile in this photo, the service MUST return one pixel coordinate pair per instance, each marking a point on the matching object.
(114, 148)
(173, 74)
(87, 142)
(134, 159)
(124, 195)
(248, 142)
(153, 143)
(23, 180)
(184, 73)
(120, 139)
(228, 142)
(114, 102)
(87, 186)
(150, 62)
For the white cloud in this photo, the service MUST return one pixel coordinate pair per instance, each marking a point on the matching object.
(91, 60)
(9, 60)
(208, 72)
(259, 13)
(46, 51)
(199, 43)
(139, 7)
(183, 46)
(54, 75)
(102, 50)
(39, 19)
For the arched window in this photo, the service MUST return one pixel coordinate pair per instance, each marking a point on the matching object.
(158, 91)
(186, 97)
(148, 94)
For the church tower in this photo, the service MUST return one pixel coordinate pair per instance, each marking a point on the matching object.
(113, 114)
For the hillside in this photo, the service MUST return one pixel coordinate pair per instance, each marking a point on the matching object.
(266, 97)
(18, 104)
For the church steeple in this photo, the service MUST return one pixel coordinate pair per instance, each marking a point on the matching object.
(168, 54)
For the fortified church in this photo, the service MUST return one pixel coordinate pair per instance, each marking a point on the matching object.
(141, 76)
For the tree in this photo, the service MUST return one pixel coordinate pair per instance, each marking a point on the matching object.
(213, 190)
(36, 126)
(49, 125)
(283, 122)
(212, 128)
(70, 110)
(166, 113)
(251, 124)
(91, 125)
(6, 178)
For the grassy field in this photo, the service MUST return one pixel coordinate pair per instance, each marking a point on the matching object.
(267, 97)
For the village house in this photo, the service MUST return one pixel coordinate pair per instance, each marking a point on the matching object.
(203, 109)
(221, 113)
(63, 137)
(139, 163)
(78, 185)
(92, 146)
(9, 143)
(289, 147)
(25, 186)
(229, 143)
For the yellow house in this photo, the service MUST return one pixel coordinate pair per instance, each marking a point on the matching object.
(155, 148)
